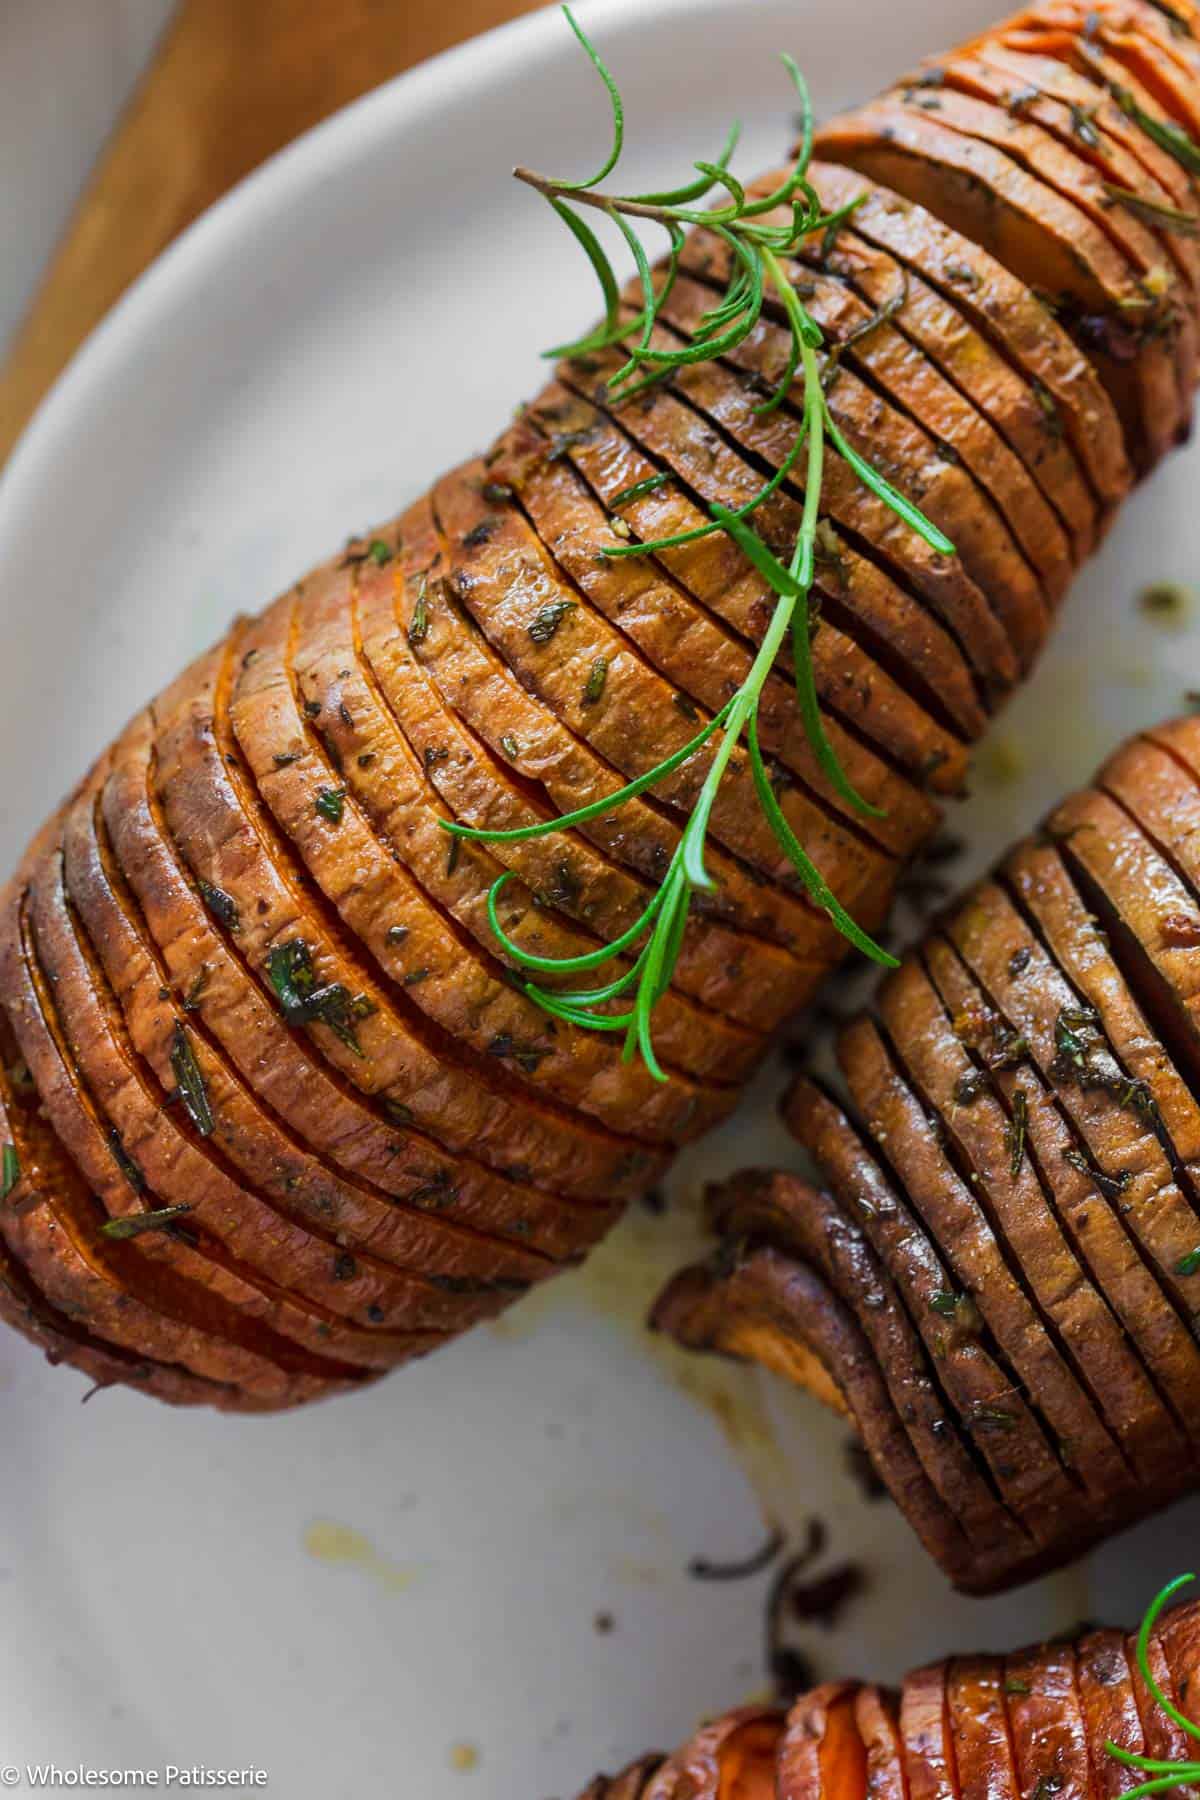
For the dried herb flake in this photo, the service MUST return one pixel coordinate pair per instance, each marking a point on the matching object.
(330, 803)
(1083, 123)
(291, 974)
(190, 1081)
(10, 1170)
(418, 629)
(548, 618)
(970, 1086)
(1014, 1137)
(134, 1224)
(991, 1418)
(597, 676)
(125, 1162)
(639, 488)
(1111, 1186)
(221, 905)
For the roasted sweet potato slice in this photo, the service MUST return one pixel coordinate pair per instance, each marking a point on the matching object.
(1155, 782)
(746, 1763)
(974, 1386)
(468, 673)
(137, 1158)
(929, 1766)
(1007, 1019)
(877, 1715)
(1097, 1235)
(351, 1214)
(821, 1756)
(1004, 1244)
(733, 1758)
(1007, 312)
(206, 1318)
(44, 1180)
(1165, 1740)
(1011, 364)
(1110, 1708)
(1178, 1634)
(131, 1057)
(1139, 38)
(1049, 1744)
(1130, 66)
(978, 1729)
(1081, 80)
(630, 1784)
(1036, 877)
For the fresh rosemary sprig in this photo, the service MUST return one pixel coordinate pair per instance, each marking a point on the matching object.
(1161, 1775)
(758, 250)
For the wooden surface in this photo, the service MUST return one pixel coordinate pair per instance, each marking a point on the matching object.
(233, 81)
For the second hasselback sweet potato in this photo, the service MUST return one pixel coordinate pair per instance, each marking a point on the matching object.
(1038, 1721)
(275, 1114)
(1002, 1272)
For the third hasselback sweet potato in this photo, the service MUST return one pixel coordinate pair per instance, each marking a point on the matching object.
(1039, 1721)
(1000, 1278)
(275, 1115)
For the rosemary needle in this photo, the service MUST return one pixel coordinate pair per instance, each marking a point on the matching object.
(758, 250)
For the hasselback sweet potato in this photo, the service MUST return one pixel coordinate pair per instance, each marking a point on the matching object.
(278, 1109)
(1011, 1210)
(1038, 1721)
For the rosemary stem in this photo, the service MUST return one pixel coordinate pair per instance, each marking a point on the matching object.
(605, 203)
